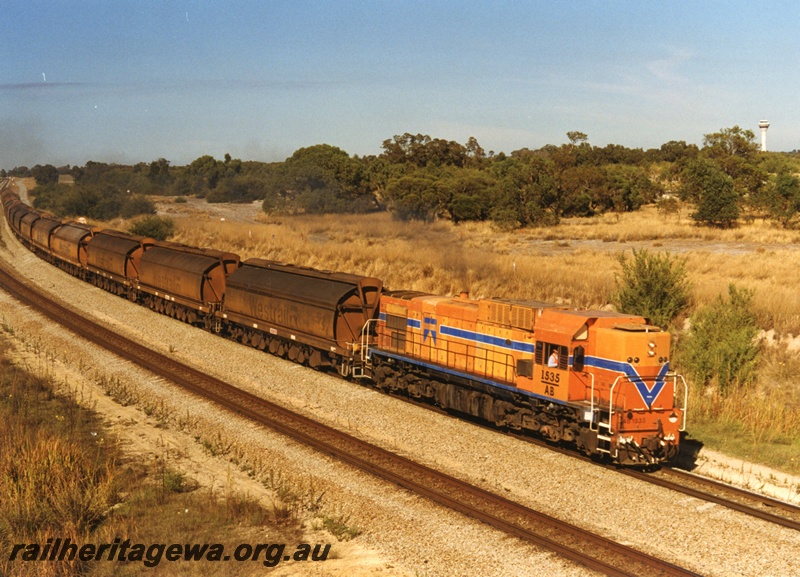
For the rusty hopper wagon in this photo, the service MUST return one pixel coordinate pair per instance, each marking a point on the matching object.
(113, 260)
(26, 223)
(15, 214)
(68, 244)
(308, 315)
(185, 282)
(41, 231)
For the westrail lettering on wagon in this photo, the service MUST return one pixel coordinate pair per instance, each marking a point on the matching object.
(283, 313)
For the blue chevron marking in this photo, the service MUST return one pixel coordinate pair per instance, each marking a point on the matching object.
(648, 394)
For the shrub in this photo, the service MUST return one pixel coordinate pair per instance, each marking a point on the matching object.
(137, 205)
(653, 286)
(721, 346)
(157, 227)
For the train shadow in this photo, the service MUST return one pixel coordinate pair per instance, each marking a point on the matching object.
(687, 456)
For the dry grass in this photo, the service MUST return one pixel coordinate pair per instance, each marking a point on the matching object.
(62, 476)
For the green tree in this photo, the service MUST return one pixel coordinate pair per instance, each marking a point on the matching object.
(653, 286)
(525, 191)
(705, 184)
(423, 151)
(47, 174)
(626, 188)
(735, 151)
(317, 179)
(579, 189)
(783, 199)
(468, 192)
(721, 347)
(418, 196)
(719, 203)
(730, 142)
(158, 172)
(136, 205)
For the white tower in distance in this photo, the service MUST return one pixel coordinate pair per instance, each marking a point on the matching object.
(763, 125)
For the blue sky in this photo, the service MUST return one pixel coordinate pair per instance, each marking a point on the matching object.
(129, 81)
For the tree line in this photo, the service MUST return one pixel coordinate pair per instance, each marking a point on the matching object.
(424, 178)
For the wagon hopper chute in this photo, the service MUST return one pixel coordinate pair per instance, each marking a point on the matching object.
(319, 315)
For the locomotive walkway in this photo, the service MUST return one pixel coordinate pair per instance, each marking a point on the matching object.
(571, 542)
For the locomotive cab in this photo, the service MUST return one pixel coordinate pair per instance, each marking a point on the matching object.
(618, 374)
(644, 404)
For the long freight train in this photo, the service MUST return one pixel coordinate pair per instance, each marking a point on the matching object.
(597, 380)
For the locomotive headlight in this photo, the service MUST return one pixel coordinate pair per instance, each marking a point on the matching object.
(651, 353)
(673, 418)
(651, 345)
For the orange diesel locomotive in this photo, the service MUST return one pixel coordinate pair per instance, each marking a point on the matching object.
(597, 379)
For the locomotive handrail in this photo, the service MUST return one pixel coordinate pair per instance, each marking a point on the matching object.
(611, 405)
(676, 376)
(591, 406)
(365, 350)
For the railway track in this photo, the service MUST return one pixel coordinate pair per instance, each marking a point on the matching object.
(706, 489)
(578, 545)
(753, 504)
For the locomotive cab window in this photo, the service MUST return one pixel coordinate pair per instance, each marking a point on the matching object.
(578, 356)
(551, 355)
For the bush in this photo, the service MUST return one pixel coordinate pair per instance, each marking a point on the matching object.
(137, 205)
(721, 346)
(157, 227)
(653, 286)
(241, 190)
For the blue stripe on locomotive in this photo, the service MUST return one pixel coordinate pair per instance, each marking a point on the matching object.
(470, 335)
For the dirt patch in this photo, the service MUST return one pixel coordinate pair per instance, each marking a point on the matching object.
(199, 208)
